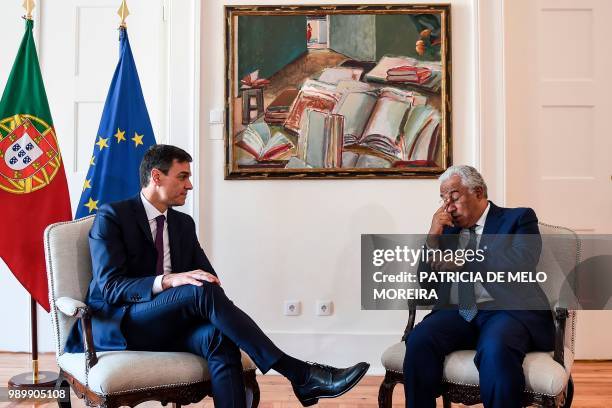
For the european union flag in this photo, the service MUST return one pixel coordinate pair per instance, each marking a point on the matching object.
(125, 133)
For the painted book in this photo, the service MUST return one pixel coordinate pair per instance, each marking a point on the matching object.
(258, 141)
(320, 139)
(277, 112)
(380, 73)
(409, 74)
(316, 95)
(375, 119)
(420, 138)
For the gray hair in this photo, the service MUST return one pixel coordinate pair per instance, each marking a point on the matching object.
(470, 177)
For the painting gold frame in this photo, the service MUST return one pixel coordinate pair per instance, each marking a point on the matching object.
(233, 170)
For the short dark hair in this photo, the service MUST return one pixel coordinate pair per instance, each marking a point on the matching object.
(160, 157)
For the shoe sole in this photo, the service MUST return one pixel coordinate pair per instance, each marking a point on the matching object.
(312, 401)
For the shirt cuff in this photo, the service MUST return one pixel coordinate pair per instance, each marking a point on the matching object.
(157, 284)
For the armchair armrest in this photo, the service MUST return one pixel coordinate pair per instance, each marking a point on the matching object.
(561, 315)
(69, 306)
(411, 318)
(80, 310)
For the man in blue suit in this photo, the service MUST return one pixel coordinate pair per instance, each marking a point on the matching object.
(153, 288)
(468, 315)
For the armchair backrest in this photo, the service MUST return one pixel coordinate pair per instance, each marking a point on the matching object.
(68, 270)
(561, 253)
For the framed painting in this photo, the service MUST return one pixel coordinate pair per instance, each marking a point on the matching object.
(350, 91)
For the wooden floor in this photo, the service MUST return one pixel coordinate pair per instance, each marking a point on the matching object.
(593, 381)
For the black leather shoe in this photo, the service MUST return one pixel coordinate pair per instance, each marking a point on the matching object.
(328, 382)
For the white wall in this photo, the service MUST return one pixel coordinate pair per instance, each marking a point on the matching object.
(274, 240)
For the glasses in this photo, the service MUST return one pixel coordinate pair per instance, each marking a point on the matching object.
(451, 198)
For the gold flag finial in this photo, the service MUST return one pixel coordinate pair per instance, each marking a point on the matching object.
(123, 13)
(28, 5)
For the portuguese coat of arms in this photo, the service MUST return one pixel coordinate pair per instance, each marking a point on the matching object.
(29, 156)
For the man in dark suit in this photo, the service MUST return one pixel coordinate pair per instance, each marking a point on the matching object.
(470, 315)
(153, 288)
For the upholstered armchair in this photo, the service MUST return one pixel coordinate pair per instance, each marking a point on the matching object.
(114, 378)
(547, 375)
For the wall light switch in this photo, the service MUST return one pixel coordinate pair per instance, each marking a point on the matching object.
(216, 116)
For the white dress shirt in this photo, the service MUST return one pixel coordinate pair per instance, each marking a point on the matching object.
(153, 213)
(464, 237)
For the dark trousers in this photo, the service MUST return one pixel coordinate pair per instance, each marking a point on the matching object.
(203, 321)
(501, 342)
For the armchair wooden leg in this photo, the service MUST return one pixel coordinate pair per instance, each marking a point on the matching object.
(252, 389)
(63, 383)
(569, 394)
(385, 392)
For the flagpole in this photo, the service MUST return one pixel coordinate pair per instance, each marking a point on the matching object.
(35, 379)
(34, 338)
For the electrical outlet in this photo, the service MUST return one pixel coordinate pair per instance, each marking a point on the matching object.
(324, 307)
(292, 308)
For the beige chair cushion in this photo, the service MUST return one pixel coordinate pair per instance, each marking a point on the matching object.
(543, 375)
(123, 371)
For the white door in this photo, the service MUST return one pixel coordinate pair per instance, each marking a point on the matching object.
(558, 136)
(78, 48)
(79, 55)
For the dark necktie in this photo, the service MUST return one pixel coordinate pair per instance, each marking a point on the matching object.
(159, 244)
(467, 297)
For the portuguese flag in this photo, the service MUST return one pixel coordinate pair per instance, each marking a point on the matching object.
(33, 187)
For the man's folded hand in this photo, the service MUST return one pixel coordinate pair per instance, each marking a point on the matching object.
(173, 280)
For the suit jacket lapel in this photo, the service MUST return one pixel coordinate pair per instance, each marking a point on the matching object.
(493, 221)
(491, 227)
(492, 224)
(174, 235)
(141, 217)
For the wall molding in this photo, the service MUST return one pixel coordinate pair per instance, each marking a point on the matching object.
(195, 111)
(182, 127)
(490, 146)
(478, 137)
